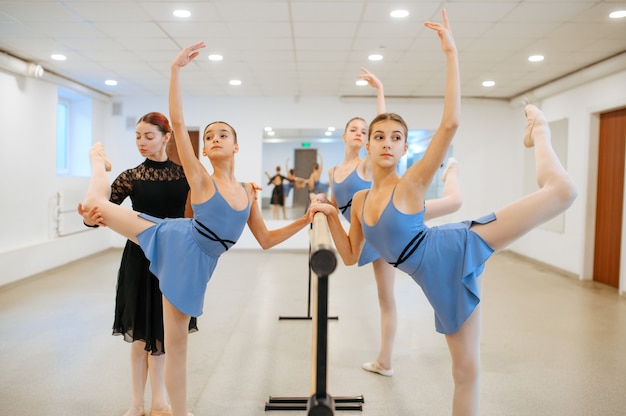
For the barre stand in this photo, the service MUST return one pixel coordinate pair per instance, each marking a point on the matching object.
(308, 315)
(322, 261)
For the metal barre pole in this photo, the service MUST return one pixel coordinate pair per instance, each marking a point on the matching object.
(323, 261)
(323, 258)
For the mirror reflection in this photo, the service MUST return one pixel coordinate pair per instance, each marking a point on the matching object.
(295, 163)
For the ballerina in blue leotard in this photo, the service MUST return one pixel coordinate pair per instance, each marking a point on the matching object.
(184, 251)
(445, 261)
(354, 174)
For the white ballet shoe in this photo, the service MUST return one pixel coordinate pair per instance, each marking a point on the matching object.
(451, 162)
(374, 367)
(98, 150)
(535, 118)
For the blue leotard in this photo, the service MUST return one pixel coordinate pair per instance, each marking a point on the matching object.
(319, 187)
(287, 187)
(444, 260)
(183, 252)
(343, 192)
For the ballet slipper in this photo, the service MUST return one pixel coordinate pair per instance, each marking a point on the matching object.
(535, 118)
(135, 411)
(375, 367)
(166, 412)
(98, 150)
(451, 163)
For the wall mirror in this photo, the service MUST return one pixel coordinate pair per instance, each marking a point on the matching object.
(297, 149)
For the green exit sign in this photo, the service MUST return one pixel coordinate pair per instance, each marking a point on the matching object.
(306, 144)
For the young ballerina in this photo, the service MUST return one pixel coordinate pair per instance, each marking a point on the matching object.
(313, 181)
(354, 174)
(446, 261)
(293, 181)
(157, 187)
(277, 200)
(222, 207)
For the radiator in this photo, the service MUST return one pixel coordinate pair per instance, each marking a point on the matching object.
(68, 221)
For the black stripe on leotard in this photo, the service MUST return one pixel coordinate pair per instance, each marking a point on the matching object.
(211, 235)
(345, 207)
(409, 249)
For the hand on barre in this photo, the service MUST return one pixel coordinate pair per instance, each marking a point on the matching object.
(324, 207)
(319, 198)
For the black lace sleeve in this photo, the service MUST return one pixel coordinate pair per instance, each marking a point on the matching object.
(122, 187)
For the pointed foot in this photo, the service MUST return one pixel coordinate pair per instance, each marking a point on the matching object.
(535, 119)
(452, 162)
(98, 150)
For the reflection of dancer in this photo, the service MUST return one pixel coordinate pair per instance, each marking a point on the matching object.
(157, 187)
(293, 181)
(354, 174)
(277, 200)
(446, 261)
(313, 181)
(222, 207)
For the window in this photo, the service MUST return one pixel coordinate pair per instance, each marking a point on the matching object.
(74, 132)
(63, 111)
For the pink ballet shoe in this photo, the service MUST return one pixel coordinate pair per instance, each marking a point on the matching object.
(98, 150)
(135, 411)
(167, 412)
(534, 117)
(451, 162)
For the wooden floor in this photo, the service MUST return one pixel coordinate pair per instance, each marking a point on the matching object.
(551, 345)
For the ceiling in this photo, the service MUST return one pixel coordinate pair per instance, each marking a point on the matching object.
(311, 47)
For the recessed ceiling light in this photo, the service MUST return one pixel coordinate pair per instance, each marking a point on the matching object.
(399, 13)
(489, 83)
(331, 129)
(271, 133)
(58, 57)
(535, 58)
(111, 82)
(234, 82)
(375, 57)
(268, 129)
(215, 57)
(361, 82)
(328, 133)
(181, 13)
(618, 14)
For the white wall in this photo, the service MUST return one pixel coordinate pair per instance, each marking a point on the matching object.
(488, 146)
(28, 180)
(582, 106)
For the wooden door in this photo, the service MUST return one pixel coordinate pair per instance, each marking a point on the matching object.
(304, 160)
(610, 198)
(172, 153)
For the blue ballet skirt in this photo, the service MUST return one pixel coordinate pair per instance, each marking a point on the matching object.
(183, 252)
(343, 192)
(444, 260)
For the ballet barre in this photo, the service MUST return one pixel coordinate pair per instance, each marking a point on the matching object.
(323, 261)
(308, 315)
